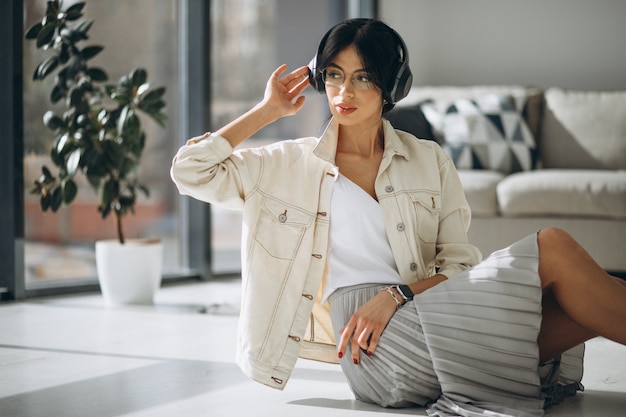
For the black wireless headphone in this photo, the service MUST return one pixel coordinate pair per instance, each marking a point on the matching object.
(403, 76)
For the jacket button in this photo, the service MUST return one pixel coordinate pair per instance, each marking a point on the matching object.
(400, 227)
(389, 188)
(413, 266)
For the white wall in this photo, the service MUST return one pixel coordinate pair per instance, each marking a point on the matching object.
(578, 44)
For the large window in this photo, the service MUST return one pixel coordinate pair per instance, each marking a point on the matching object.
(249, 40)
(59, 247)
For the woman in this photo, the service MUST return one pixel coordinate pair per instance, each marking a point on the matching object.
(366, 227)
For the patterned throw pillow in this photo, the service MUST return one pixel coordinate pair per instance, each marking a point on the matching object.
(487, 132)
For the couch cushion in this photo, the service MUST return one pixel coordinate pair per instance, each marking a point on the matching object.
(480, 191)
(594, 193)
(584, 130)
(484, 132)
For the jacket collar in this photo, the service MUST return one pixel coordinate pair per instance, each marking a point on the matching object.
(327, 145)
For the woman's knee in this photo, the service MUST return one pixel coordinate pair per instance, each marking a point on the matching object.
(555, 238)
(555, 249)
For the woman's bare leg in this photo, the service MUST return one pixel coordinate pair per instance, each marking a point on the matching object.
(580, 299)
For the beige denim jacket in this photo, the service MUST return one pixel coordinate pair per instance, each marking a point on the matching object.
(284, 190)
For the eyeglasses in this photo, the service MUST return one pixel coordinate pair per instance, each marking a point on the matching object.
(334, 77)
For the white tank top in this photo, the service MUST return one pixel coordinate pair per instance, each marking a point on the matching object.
(359, 251)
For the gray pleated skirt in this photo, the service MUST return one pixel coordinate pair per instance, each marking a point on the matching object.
(464, 346)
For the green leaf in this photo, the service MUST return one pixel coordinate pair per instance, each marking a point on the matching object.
(90, 51)
(82, 120)
(151, 107)
(127, 165)
(142, 89)
(46, 67)
(110, 192)
(52, 8)
(154, 95)
(120, 98)
(62, 142)
(57, 199)
(138, 77)
(113, 152)
(45, 201)
(72, 162)
(75, 11)
(68, 115)
(132, 126)
(47, 173)
(52, 121)
(71, 36)
(144, 190)
(80, 135)
(55, 157)
(84, 26)
(69, 191)
(104, 210)
(64, 54)
(160, 118)
(46, 34)
(97, 74)
(94, 181)
(127, 201)
(64, 77)
(124, 81)
(56, 94)
(33, 31)
(121, 122)
(103, 118)
(76, 96)
(91, 160)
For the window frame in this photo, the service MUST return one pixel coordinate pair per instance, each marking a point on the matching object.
(194, 59)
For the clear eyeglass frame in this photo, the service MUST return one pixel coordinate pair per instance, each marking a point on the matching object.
(335, 77)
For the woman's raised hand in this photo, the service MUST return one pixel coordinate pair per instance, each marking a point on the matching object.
(282, 94)
(282, 98)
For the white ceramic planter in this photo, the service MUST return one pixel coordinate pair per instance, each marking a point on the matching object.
(129, 273)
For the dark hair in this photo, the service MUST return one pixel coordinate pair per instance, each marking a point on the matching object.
(380, 48)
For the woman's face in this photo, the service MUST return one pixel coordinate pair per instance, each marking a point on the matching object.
(349, 104)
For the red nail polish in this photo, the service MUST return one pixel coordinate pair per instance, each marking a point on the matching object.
(356, 361)
(369, 353)
(340, 354)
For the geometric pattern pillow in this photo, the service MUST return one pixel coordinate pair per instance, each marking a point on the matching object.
(487, 132)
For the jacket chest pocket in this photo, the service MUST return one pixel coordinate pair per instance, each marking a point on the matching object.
(427, 207)
(280, 228)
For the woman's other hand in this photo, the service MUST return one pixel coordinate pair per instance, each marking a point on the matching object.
(366, 326)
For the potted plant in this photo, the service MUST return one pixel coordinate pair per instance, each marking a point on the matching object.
(100, 135)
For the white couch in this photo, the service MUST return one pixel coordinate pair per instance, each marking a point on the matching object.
(577, 174)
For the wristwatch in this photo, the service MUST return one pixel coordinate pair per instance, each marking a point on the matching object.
(405, 292)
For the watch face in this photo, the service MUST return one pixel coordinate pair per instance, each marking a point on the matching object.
(406, 292)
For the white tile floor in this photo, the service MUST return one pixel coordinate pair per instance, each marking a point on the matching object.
(71, 356)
